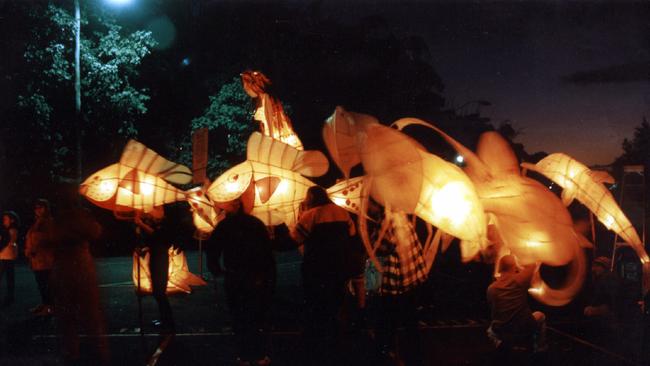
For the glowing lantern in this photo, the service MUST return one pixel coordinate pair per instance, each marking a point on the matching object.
(180, 278)
(340, 134)
(204, 214)
(585, 185)
(269, 111)
(140, 181)
(270, 182)
(530, 221)
(407, 178)
(348, 194)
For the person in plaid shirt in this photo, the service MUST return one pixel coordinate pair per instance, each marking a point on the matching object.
(403, 271)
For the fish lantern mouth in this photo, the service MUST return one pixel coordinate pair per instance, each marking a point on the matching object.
(83, 189)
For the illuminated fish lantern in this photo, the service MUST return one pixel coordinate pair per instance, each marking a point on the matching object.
(180, 279)
(586, 185)
(405, 177)
(530, 221)
(271, 181)
(274, 122)
(140, 181)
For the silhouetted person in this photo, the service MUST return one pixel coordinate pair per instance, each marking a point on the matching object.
(603, 302)
(512, 319)
(9, 253)
(39, 251)
(74, 283)
(249, 278)
(155, 233)
(326, 231)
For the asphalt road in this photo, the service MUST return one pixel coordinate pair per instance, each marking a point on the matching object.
(205, 337)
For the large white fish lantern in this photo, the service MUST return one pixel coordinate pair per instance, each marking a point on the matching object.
(585, 185)
(407, 178)
(140, 181)
(270, 182)
(531, 221)
(180, 279)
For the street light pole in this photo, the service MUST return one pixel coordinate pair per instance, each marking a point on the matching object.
(77, 88)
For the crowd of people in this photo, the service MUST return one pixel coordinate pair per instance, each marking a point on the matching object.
(241, 249)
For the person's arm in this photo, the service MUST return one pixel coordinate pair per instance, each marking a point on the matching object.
(13, 236)
(303, 228)
(143, 225)
(4, 239)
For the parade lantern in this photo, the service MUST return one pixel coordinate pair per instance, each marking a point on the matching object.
(139, 182)
(270, 182)
(180, 278)
(205, 215)
(348, 194)
(269, 112)
(585, 185)
(531, 221)
(407, 178)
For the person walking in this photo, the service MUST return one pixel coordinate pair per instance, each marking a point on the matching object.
(153, 228)
(39, 250)
(249, 279)
(9, 253)
(326, 232)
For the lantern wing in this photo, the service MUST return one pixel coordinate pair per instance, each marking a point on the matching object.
(495, 152)
(475, 168)
(137, 156)
(341, 139)
(276, 154)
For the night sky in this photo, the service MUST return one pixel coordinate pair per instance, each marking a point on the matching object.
(572, 78)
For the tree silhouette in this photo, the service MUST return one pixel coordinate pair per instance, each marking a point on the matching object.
(111, 103)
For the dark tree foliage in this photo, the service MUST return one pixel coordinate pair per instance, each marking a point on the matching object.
(637, 150)
(229, 120)
(39, 135)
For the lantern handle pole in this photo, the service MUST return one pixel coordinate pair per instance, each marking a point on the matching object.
(139, 292)
(201, 258)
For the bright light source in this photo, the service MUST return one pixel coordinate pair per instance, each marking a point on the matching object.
(449, 203)
(460, 159)
(107, 185)
(146, 188)
(119, 2)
